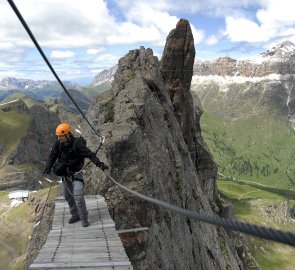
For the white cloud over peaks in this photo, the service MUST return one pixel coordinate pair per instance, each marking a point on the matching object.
(144, 23)
(95, 51)
(148, 21)
(246, 30)
(277, 12)
(57, 23)
(106, 58)
(211, 40)
(62, 54)
(198, 35)
(271, 20)
(128, 33)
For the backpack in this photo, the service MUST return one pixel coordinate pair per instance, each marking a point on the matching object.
(61, 169)
(82, 139)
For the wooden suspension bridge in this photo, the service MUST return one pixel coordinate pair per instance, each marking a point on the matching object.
(71, 246)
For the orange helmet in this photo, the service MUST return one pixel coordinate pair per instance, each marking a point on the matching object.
(63, 129)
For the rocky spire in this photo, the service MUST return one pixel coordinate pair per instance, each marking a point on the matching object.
(145, 151)
(177, 69)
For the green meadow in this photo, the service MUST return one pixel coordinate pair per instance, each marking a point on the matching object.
(16, 225)
(250, 204)
(255, 155)
(13, 126)
(256, 148)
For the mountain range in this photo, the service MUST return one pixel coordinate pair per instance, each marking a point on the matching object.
(248, 114)
(154, 143)
(9, 83)
(248, 120)
(276, 63)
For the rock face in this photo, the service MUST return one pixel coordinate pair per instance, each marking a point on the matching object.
(82, 101)
(17, 105)
(20, 165)
(146, 151)
(264, 83)
(177, 69)
(106, 75)
(21, 168)
(37, 143)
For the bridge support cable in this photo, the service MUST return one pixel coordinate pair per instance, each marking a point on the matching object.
(235, 225)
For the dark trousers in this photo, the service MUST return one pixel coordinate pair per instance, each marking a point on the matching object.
(74, 195)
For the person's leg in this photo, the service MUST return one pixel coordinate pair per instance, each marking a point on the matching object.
(80, 201)
(69, 197)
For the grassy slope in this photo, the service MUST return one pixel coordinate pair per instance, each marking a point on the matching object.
(16, 226)
(28, 100)
(248, 204)
(13, 126)
(257, 148)
(91, 91)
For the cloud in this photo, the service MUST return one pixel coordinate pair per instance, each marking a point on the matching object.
(106, 58)
(211, 40)
(128, 33)
(95, 51)
(62, 54)
(214, 7)
(78, 31)
(271, 20)
(198, 34)
(245, 30)
(55, 23)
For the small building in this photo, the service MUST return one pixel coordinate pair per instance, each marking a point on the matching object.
(18, 196)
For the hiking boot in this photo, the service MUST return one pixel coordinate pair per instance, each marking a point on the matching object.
(85, 222)
(74, 219)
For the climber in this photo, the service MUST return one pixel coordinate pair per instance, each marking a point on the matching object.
(66, 159)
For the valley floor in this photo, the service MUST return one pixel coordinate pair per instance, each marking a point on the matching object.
(265, 206)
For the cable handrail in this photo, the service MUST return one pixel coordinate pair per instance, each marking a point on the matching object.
(235, 225)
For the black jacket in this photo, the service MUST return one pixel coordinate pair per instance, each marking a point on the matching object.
(70, 156)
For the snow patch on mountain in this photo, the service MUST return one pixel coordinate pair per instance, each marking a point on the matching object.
(225, 80)
(278, 53)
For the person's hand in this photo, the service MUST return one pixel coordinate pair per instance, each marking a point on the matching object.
(102, 166)
(46, 172)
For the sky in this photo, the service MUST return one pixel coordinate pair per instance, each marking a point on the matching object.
(83, 37)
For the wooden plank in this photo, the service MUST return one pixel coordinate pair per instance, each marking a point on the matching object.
(77, 265)
(71, 246)
(133, 230)
(91, 268)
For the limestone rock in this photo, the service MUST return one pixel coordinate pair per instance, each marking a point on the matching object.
(279, 60)
(146, 151)
(177, 69)
(106, 75)
(82, 101)
(40, 136)
(17, 105)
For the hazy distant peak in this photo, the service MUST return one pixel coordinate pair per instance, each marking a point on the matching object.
(105, 75)
(8, 83)
(266, 64)
(283, 49)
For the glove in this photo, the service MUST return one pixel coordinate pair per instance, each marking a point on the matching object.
(102, 166)
(46, 172)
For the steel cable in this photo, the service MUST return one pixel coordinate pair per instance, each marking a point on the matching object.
(20, 17)
(235, 225)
